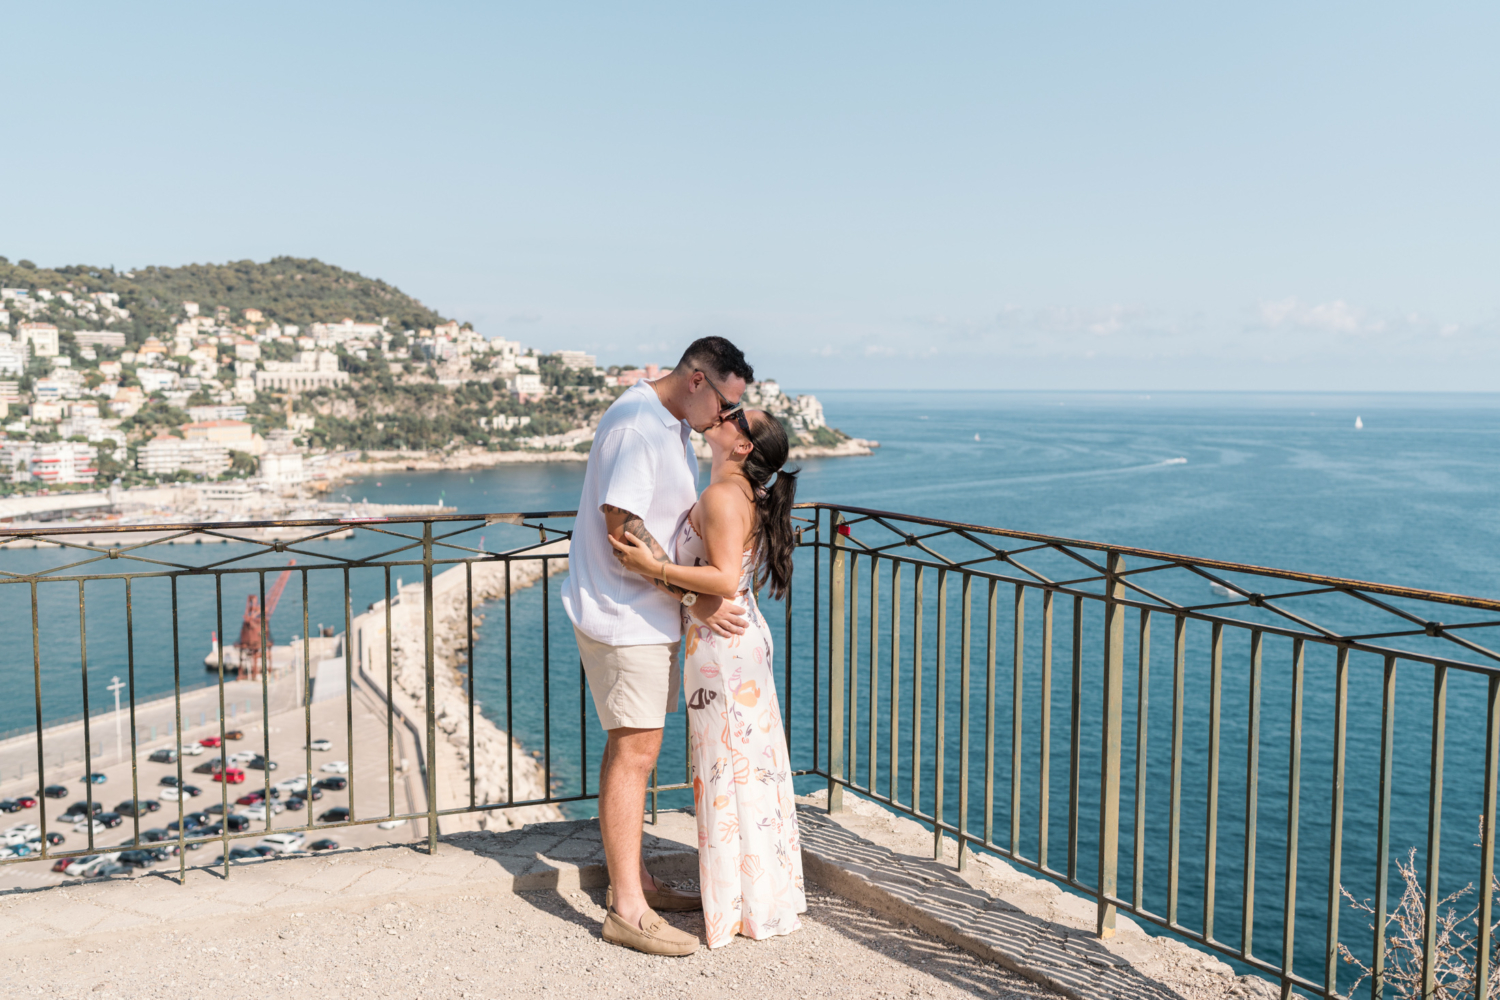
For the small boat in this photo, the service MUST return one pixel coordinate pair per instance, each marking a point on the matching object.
(1359, 424)
(976, 437)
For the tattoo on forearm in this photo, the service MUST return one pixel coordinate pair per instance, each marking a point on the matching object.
(634, 525)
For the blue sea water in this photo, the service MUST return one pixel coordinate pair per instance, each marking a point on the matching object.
(1278, 480)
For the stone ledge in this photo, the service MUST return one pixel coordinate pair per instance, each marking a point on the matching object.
(883, 860)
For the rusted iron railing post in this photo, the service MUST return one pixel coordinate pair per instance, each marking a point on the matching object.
(1109, 772)
(836, 735)
(429, 670)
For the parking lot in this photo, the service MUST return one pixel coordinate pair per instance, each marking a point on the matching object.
(373, 794)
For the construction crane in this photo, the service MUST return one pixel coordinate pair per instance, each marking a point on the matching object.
(251, 649)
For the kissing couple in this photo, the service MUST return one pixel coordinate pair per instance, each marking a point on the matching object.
(655, 567)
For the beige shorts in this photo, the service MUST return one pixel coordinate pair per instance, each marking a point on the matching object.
(634, 686)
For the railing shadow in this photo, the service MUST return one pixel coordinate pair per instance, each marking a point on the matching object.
(932, 897)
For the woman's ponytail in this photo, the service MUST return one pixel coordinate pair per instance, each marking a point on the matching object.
(774, 538)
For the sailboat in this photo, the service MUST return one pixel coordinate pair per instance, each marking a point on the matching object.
(1359, 424)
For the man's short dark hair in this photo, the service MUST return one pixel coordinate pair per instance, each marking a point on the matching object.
(716, 356)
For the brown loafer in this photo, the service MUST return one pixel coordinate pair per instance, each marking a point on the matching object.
(654, 937)
(665, 897)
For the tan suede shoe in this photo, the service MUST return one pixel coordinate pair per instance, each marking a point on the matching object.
(665, 897)
(654, 937)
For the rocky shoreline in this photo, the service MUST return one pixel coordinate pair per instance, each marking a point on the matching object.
(478, 458)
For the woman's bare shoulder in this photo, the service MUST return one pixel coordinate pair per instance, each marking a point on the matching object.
(724, 499)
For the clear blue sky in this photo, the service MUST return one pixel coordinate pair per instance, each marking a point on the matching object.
(984, 196)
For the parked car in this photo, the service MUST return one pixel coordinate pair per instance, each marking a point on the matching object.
(294, 785)
(326, 844)
(189, 821)
(192, 749)
(283, 843)
(9, 806)
(54, 838)
(334, 783)
(56, 791)
(110, 868)
(154, 834)
(78, 810)
(338, 814)
(315, 794)
(233, 776)
(135, 807)
(173, 795)
(191, 791)
(95, 779)
(170, 780)
(335, 767)
(235, 824)
(239, 854)
(141, 858)
(26, 801)
(84, 825)
(243, 757)
(320, 745)
(63, 864)
(110, 819)
(209, 766)
(26, 830)
(295, 803)
(258, 811)
(261, 764)
(166, 755)
(391, 824)
(209, 742)
(235, 734)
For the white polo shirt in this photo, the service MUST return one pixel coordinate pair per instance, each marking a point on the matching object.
(641, 461)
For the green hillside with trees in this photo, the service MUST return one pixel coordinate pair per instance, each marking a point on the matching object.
(286, 289)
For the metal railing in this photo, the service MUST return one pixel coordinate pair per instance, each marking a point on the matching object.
(1329, 634)
(1292, 741)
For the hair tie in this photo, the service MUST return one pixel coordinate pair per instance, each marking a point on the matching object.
(761, 493)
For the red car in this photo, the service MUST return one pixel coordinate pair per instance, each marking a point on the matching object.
(250, 798)
(209, 741)
(233, 776)
(26, 801)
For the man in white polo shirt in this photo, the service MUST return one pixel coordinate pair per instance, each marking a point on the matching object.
(642, 478)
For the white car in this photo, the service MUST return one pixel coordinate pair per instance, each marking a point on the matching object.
(258, 811)
(243, 757)
(391, 824)
(193, 749)
(335, 767)
(290, 785)
(85, 867)
(283, 843)
(320, 745)
(173, 795)
(82, 826)
(28, 831)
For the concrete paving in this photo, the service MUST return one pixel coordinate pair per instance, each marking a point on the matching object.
(517, 912)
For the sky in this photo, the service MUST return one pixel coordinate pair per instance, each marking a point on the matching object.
(997, 195)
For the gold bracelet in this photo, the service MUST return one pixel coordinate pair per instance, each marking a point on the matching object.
(664, 574)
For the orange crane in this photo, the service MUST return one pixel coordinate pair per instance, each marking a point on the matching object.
(252, 651)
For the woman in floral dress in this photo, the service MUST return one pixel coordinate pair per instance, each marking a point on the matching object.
(737, 538)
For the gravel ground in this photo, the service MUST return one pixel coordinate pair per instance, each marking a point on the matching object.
(512, 945)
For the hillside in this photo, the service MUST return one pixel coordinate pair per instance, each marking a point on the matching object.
(286, 290)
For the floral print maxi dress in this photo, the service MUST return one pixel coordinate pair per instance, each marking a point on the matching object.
(749, 854)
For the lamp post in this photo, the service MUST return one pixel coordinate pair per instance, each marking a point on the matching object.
(116, 685)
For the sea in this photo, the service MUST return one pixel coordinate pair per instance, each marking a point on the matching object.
(1394, 488)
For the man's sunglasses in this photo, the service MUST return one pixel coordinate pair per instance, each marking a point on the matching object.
(727, 411)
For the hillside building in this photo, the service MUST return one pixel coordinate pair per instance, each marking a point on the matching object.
(42, 337)
(311, 370)
(165, 455)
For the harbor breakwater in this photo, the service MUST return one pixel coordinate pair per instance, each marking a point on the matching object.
(496, 756)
